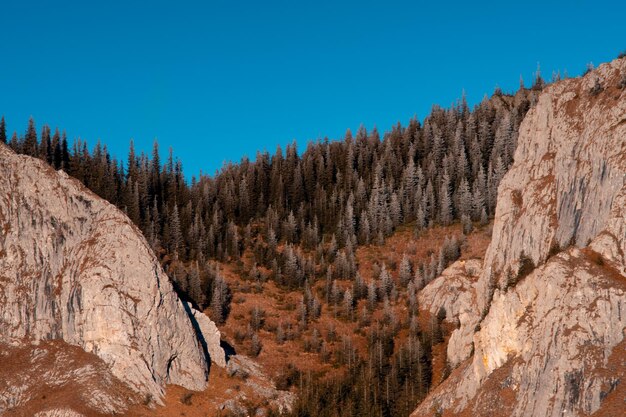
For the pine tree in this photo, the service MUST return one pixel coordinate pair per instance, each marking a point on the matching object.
(56, 149)
(255, 346)
(3, 131)
(464, 206)
(386, 283)
(372, 296)
(445, 201)
(176, 237)
(195, 286)
(30, 139)
(418, 279)
(133, 208)
(405, 273)
(220, 299)
(132, 168)
(348, 303)
(65, 154)
(15, 144)
(364, 229)
(289, 228)
(45, 146)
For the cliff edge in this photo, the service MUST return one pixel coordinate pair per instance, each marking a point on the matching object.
(73, 268)
(544, 335)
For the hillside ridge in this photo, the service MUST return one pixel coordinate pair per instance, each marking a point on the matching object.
(540, 338)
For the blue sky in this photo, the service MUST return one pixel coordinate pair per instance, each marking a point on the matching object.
(217, 80)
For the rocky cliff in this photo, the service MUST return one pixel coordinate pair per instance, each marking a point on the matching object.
(543, 333)
(74, 268)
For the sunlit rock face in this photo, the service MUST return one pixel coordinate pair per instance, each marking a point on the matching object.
(545, 336)
(73, 267)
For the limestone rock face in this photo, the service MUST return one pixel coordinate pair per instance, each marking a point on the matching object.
(455, 291)
(209, 335)
(548, 343)
(567, 183)
(75, 268)
(259, 385)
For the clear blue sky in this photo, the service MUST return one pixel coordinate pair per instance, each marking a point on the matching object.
(220, 79)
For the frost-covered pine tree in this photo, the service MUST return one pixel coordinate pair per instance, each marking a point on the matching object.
(445, 202)
(348, 304)
(405, 273)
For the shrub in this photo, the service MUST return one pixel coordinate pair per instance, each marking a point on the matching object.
(467, 224)
(147, 399)
(526, 266)
(596, 89)
(441, 314)
(555, 249)
(257, 318)
(287, 378)
(255, 346)
(186, 398)
(393, 265)
(280, 334)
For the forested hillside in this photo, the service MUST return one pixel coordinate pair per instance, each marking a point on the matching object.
(297, 220)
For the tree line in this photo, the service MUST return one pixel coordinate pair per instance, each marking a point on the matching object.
(300, 218)
(351, 192)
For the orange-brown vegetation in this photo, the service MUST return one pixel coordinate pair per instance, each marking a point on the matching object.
(315, 350)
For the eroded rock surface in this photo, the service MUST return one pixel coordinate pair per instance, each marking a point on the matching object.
(209, 335)
(547, 343)
(261, 386)
(454, 291)
(74, 268)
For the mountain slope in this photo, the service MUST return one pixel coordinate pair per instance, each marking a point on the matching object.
(550, 342)
(73, 267)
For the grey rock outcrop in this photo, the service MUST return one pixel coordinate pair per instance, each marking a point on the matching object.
(454, 291)
(545, 341)
(210, 336)
(75, 268)
(259, 384)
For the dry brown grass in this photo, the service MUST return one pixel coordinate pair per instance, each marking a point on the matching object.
(46, 389)
(280, 306)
